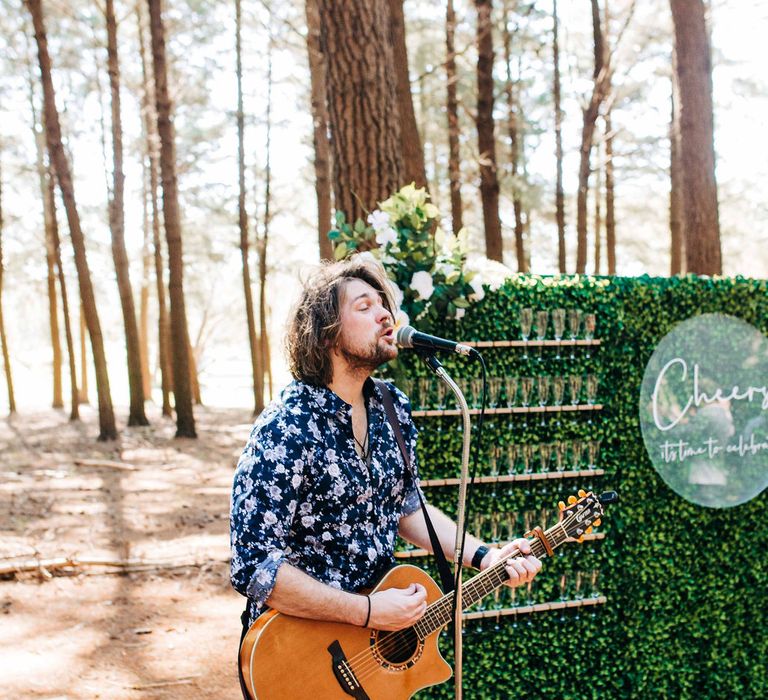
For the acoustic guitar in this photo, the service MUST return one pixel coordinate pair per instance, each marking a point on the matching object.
(285, 657)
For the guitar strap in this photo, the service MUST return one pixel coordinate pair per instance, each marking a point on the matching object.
(446, 576)
(442, 564)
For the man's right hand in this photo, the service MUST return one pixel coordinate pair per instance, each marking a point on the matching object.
(397, 608)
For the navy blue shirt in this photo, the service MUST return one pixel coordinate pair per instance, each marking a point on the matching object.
(302, 494)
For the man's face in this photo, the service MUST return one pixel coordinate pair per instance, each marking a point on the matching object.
(367, 337)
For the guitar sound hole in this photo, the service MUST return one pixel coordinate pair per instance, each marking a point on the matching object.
(397, 647)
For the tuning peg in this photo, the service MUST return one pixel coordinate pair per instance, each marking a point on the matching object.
(597, 522)
(581, 539)
(561, 505)
(589, 530)
(582, 493)
(572, 500)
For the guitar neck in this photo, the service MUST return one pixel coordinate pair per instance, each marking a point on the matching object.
(440, 613)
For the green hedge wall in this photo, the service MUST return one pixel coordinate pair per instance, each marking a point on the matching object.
(686, 586)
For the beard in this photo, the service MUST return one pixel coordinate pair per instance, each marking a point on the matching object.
(366, 358)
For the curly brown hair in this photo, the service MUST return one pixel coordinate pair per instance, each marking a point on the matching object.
(315, 321)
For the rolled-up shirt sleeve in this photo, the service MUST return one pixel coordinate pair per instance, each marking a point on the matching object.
(265, 496)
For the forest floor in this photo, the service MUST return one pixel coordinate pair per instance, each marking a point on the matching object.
(168, 626)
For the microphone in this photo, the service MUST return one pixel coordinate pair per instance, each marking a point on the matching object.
(409, 337)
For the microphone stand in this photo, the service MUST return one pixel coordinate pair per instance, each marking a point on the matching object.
(439, 370)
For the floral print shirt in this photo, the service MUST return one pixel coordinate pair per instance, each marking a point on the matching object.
(302, 494)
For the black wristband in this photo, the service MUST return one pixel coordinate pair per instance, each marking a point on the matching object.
(479, 555)
(368, 616)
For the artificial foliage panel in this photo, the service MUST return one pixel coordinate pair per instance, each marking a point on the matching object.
(686, 586)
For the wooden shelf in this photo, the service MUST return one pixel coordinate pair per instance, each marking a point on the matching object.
(533, 476)
(430, 412)
(420, 553)
(532, 343)
(537, 608)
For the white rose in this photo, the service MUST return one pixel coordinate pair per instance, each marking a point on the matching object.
(379, 220)
(477, 288)
(386, 235)
(421, 283)
(460, 314)
(397, 294)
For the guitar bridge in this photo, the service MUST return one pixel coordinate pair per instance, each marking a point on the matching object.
(344, 673)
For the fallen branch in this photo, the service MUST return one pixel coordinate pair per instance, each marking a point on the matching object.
(125, 565)
(162, 684)
(106, 463)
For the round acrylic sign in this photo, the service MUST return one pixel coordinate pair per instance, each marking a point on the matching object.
(704, 410)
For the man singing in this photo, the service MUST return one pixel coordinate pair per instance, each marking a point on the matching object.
(321, 490)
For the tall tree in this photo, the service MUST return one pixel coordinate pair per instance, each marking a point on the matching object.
(136, 415)
(146, 269)
(320, 130)
(557, 95)
(697, 150)
(413, 153)
(610, 187)
(3, 339)
(486, 141)
(452, 111)
(598, 202)
(256, 370)
(363, 111)
(107, 428)
(185, 419)
(152, 164)
(676, 222)
(514, 132)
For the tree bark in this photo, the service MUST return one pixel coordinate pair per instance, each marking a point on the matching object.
(320, 130)
(263, 241)
(136, 415)
(697, 152)
(452, 111)
(3, 338)
(362, 104)
(107, 428)
(610, 205)
(413, 153)
(185, 419)
(153, 161)
(598, 212)
(676, 223)
(146, 267)
(513, 130)
(256, 369)
(82, 390)
(489, 182)
(559, 191)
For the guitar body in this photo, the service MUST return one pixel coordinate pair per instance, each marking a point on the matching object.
(285, 657)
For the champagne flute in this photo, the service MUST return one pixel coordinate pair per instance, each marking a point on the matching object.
(494, 389)
(476, 386)
(510, 390)
(424, 387)
(558, 393)
(561, 452)
(545, 452)
(526, 388)
(590, 321)
(513, 451)
(440, 393)
(574, 385)
(542, 321)
(593, 450)
(527, 455)
(592, 382)
(577, 449)
(526, 323)
(558, 327)
(543, 381)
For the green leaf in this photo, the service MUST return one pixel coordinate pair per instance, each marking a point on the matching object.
(334, 235)
(340, 251)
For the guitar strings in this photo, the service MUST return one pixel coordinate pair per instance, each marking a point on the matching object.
(398, 640)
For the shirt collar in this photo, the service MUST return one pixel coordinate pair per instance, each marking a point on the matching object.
(331, 404)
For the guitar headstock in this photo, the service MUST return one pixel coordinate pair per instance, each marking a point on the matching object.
(583, 513)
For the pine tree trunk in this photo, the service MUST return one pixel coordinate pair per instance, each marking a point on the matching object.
(82, 393)
(452, 110)
(610, 205)
(50, 257)
(559, 191)
(676, 181)
(413, 153)
(136, 415)
(513, 130)
(185, 420)
(3, 339)
(697, 151)
(363, 111)
(489, 182)
(107, 428)
(256, 369)
(146, 267)
(262, 242)
(320, 130)
(153, 160)
(589, 121)
(598, 212)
